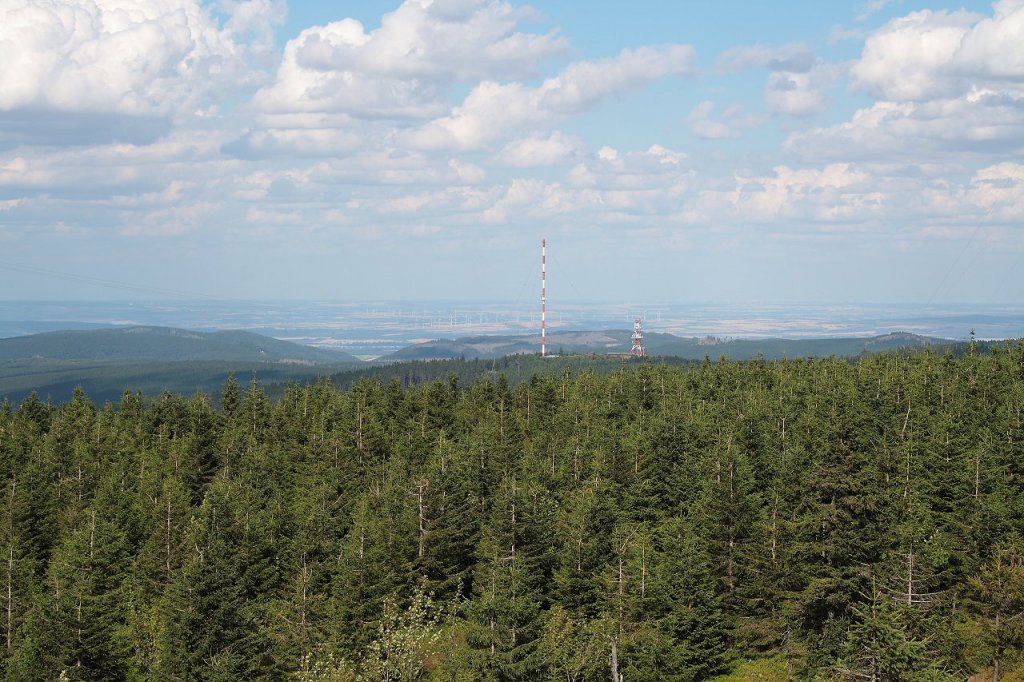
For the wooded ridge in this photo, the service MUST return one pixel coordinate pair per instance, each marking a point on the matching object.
(106, 362)
(840, 520)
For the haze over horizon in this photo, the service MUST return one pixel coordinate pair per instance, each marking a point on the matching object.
(680, 152)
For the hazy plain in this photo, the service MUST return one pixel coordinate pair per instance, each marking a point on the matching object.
(372, 328)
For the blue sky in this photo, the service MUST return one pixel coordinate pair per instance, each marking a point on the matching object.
(669, 151)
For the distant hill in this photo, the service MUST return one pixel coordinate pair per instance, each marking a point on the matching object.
(106, 362)
(659, 344)
(107, 381)
(775, 348)
(164, 344)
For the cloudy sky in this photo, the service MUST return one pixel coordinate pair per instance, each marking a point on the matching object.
(720, 151)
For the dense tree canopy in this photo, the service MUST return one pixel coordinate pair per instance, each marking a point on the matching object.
(854, 520)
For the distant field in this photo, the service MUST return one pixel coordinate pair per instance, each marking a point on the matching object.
(373, 329)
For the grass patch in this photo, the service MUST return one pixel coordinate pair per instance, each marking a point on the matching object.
(760, 670)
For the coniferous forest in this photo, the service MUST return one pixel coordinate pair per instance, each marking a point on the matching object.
(832, 520)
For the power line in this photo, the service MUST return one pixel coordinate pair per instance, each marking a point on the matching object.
(956, 261)
(108, 283)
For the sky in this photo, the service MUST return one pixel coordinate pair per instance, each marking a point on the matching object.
(669, 151)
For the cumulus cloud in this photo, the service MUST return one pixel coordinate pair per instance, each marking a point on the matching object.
(927, 55)
(834, 192)
(537, 150)
(437, 124)
(493, 109)
(797, 84)
(657, 169)
(975, 126)
(171, 221)
(404, 68)
(703, 126)
(137, 57)
(606, 187)
(800, 93)
(66, 128)
(875, 201)
(944, 82)
(729, 125)
(911, 58)
(305, 142)
(998, 191)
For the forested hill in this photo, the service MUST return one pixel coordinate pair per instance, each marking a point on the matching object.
(824, 519)
(163, 344)
(662, 344)
(107, 362)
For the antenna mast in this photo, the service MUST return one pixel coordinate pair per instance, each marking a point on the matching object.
(543, 297)
(638, 340)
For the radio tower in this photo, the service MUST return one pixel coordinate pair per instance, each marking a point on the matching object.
(638, 340)
(543, 297)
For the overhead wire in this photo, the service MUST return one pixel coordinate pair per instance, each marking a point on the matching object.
(562, 275)
(97, 281)
(956, 261)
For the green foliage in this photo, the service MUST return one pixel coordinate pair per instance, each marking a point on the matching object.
(998, 597)
(879, 646)
(761, 670)
(818, 519)
(408, 638)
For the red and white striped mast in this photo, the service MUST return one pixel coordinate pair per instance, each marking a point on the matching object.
(543, 297)
(638, 340)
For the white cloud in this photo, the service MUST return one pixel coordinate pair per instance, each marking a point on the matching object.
(993, 46)
(797, 83)
(945, 83)
(134, 57)
(800, 93)
(872, 7)
(910, 57)
(978, 125)
(702, 125)
(404, 68)
(839, 34)
(665, 156)
(836, 192)
(266, 217)
(492, 110)
(117, 168)
(536, 150)
(998, 191)
(794, 58)
(171, 221)
(658, 169)
(927, 55)
(467, 173)
(306, 142)
(608, 187)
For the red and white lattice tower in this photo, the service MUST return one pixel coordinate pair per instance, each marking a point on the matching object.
(638, 340)
(543, 297)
